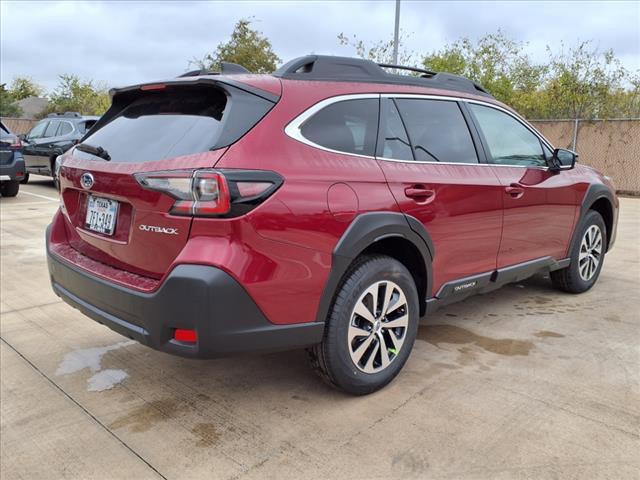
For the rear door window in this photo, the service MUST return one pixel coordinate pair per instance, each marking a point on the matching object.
(437, 130)
(394, 139)
(348, 126)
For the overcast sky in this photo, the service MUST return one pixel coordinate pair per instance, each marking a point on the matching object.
(123, 42)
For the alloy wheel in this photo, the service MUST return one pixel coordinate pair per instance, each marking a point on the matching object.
(378, 326)
(590, 253)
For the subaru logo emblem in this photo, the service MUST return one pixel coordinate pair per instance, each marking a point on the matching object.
(86, 180)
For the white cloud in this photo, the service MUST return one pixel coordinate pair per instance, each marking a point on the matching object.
(126, 42)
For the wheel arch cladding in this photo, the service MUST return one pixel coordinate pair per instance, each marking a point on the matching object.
(394, 234)
(600, 198)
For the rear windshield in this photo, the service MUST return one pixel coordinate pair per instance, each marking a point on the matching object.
(164, 124)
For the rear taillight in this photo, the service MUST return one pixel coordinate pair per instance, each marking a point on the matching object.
(212, 193)
(200, 193)
(16, 144)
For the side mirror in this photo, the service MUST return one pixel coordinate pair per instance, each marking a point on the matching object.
(563, 159)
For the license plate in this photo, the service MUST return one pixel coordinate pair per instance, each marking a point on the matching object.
(101, 215)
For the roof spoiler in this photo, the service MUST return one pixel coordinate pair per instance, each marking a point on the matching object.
(226, 68)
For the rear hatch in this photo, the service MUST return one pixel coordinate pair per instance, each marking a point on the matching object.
(115, 212)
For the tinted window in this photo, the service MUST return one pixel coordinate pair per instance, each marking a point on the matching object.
(437, 130)
(509, 141)
(395, 143)
(162, 125)
(38, 130)
(51, 128)
(65, 128)
(349, 126)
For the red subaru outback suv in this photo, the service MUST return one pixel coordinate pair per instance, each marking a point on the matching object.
(329, 205)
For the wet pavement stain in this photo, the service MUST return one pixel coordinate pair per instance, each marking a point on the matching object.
(206, 434)
(144, 417)
(548, 334)
(437, 334)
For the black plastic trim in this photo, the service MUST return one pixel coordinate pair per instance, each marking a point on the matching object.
(462, 288)
(595, 192)
(365, 230)
(348, 69)
(197, 297)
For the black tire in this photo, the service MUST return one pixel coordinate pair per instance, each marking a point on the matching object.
(570, 279)
(25, 179)
(332, 358)
(9, 189)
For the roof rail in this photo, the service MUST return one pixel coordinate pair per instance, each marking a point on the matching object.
(226, 68)
(348, 69)
(428, 73)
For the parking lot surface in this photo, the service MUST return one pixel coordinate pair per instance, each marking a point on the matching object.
(524, 382)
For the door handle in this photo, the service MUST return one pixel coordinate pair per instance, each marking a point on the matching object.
(420, 193)
(515, 190)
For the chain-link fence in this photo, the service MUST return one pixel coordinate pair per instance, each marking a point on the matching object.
(610, 146)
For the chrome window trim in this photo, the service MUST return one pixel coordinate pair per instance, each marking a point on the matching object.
(293, 128)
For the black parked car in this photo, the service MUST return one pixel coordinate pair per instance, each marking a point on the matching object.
(11, 163)
(52, 137)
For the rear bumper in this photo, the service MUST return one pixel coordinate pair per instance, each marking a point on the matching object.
(198, 297)
(14, 170)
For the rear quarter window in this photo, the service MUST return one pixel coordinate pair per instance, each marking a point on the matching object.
(348, 126)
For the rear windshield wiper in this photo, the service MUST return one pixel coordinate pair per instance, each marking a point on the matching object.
(97, 151)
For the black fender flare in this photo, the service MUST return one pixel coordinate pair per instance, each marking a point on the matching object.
(365, 230)
(595, 192)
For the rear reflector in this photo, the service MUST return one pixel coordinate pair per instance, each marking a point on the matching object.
(187, 336)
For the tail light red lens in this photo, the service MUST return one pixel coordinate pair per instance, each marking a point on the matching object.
(199, 193)
(212, 193)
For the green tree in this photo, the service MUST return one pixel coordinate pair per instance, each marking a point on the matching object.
(497, 63)
(381, 51)
(584, 82)
(246, 47)
(75, 95)
(25, 87)
(8, 107)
